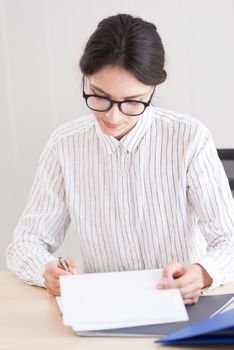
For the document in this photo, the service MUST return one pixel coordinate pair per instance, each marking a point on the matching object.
(207, 306)
(110, 300)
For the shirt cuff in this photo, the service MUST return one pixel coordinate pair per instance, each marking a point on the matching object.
(39, 279)
(214, 270)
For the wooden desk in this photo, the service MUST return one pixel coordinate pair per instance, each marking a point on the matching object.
(30, 319)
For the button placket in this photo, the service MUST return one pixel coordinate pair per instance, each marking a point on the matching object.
(133, 247)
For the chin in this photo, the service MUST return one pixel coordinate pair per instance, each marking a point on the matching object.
(111, 131)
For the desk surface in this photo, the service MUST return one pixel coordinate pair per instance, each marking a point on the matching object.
(30, 319)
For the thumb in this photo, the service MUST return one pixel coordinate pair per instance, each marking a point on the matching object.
(173, 269)
(72, 265)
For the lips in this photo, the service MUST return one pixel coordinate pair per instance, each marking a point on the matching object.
(112, 126)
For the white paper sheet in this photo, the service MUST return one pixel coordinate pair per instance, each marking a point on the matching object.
(118, 299)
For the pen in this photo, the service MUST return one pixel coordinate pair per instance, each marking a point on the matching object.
(64, 264)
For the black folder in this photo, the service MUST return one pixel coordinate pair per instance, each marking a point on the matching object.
(204, 308)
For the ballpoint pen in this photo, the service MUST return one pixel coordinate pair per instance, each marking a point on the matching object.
(64, 264)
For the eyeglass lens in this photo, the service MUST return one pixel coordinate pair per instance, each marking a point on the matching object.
(103, 104)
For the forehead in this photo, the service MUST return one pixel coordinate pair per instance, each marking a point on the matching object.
(117, 82)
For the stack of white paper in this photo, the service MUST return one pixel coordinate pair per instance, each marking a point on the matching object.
(118, 299)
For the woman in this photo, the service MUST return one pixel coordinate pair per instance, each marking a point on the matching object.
(143, 187)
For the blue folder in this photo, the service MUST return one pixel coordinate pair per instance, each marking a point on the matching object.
(218, 329)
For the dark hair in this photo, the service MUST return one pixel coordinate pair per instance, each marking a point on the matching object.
(127, 42)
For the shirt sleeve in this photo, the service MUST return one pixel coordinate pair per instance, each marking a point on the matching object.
(210, 196)
(43, 225)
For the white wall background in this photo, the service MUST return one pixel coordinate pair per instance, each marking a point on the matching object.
(40, 45)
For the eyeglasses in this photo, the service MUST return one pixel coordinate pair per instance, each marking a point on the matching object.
(128, 107)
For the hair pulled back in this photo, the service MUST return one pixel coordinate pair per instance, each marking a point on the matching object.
(128, 42)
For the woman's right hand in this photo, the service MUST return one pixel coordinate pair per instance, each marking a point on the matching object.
(52, 273)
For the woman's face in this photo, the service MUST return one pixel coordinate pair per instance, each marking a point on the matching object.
(118, 84)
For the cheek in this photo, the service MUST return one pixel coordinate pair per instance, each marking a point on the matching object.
(132, 120)
(97, 115)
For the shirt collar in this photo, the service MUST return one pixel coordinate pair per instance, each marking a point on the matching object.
(130, 141)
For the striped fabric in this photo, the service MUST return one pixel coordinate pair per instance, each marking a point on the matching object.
(160, 194)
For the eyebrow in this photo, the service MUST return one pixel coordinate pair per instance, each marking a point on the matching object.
(128, 97)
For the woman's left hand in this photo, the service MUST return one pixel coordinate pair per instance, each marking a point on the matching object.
(190, 279)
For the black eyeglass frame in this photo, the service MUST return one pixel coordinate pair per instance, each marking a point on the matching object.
(119, 103)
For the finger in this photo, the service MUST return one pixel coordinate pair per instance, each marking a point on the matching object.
(178, 274)
(59, 271)
(194, 294)
(190, 301)
(54, 284)
(50, 283)
(167, 283)
(53, 291)
(171, 269)
(191, 279)
(52, 278)
(170, 282)
(55, 270)
(72, 265)
(185, 281)
(190, 288)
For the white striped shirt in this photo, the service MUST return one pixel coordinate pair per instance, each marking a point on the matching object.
(160, 194)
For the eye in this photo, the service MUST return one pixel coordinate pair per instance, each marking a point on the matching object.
(132, 103)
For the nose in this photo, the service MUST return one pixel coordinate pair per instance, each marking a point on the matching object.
(114, 115)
